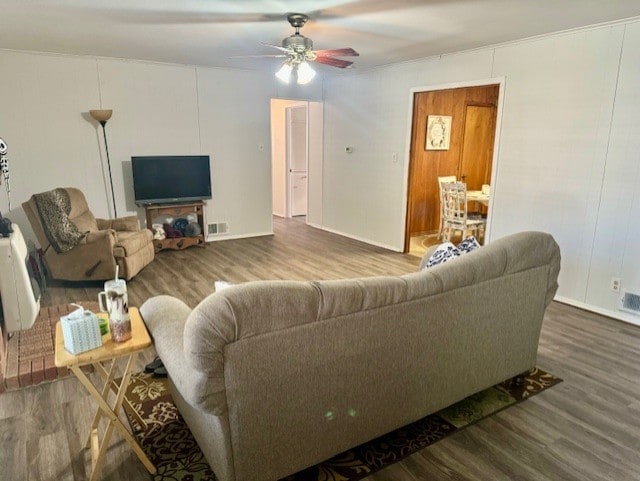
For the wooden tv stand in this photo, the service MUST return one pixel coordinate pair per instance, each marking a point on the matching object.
(177, 210)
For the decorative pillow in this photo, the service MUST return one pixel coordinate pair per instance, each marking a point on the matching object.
(444, 253)
(447, 251)
(468, 245)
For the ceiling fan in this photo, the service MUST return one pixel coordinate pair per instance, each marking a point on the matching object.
(298, 51)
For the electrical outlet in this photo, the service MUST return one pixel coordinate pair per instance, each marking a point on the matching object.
(615, 284)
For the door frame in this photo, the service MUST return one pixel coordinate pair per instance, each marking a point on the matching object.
(501, 82)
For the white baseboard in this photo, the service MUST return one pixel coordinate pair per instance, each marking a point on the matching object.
(221, 237)
(361, 239)
(618, 315)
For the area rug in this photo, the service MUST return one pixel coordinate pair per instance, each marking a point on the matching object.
(171, 447)
(30, 353)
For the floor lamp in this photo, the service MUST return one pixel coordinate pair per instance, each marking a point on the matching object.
(102, 116)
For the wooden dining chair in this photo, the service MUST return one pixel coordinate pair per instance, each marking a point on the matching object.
(455, 216)
(443, 180)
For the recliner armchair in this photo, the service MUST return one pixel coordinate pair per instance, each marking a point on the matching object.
(108, 243)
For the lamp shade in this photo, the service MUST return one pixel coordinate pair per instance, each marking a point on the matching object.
(101, 115)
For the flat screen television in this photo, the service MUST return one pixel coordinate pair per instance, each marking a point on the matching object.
(164, 179)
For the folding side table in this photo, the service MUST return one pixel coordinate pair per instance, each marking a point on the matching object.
(104, 360)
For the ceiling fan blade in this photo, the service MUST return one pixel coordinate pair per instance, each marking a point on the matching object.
(334, 62)
(260, 56)
(337, 52)
(178, 17)
(276, 46)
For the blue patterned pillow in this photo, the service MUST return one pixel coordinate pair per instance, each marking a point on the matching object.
(444, 253)
(468, 245)
(447, 251)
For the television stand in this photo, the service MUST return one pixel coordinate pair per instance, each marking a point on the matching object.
(177, 210)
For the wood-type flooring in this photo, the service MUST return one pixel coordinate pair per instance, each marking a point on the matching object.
(585, 429)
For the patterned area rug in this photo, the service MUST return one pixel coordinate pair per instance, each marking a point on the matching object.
(171, 447)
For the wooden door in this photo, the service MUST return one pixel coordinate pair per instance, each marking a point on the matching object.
(477, 146)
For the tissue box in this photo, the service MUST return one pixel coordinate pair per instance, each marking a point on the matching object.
(81, 331)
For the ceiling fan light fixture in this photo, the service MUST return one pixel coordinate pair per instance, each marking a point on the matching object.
(284, 74)
(305, 73)
(298, 51)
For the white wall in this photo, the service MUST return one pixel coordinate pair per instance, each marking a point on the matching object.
(315, 184)
(279, 157)
(568, 159)
(234, 129)
(157, 109)
(616, 246)
(155, 112)
(554, 142)
(43, 100)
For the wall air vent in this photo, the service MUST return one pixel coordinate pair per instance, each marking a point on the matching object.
(630, 302)
(218, 228)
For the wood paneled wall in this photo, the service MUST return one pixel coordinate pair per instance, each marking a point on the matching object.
(427, 165)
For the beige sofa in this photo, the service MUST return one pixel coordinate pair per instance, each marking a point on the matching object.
(275, 376)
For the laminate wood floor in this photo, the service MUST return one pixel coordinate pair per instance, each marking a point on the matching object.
(587, 428)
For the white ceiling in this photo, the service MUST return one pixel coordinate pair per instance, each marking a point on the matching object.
(209, 32)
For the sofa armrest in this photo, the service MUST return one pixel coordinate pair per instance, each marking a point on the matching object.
(165, 317)
(129, 223)
(106, 236)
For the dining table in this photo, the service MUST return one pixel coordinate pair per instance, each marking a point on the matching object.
(478, 196)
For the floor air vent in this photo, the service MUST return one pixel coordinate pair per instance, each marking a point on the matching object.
(219, 228)
(630, 302)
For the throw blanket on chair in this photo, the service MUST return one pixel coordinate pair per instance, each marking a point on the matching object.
(54, 207)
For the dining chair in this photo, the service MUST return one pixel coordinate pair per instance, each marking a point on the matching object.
(455, 216)
(443, 180)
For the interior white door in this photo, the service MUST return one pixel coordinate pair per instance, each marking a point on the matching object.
(297, 159)
(298, 194)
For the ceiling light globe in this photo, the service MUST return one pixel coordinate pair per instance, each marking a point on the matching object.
(284, 74)
(305, 73)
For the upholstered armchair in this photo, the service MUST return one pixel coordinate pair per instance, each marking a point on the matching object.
(101, 244)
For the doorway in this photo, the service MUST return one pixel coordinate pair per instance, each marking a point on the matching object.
(296, 159)
(472, 111)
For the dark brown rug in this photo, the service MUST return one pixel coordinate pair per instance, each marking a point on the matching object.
(30, 353)
(171, 447)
